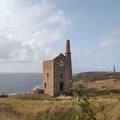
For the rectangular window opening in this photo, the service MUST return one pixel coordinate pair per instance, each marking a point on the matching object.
(47, 74)
(61, 75)
(45, 85)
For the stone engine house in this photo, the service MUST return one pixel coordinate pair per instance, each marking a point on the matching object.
(57, 73)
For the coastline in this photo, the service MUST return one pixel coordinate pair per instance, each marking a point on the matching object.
(17, 83)
(38, 87)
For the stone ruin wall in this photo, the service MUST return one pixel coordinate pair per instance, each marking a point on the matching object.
(59, 73)
(48, 77)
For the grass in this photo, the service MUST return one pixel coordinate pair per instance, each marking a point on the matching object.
(100, 88)
(105, 104)
(107, 84)
(13, 108)
(107, 108)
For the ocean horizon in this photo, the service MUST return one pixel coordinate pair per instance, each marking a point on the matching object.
(15, 83)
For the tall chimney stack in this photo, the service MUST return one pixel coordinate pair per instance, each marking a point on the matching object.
(67, 48)
(114, 71)
(68, 67)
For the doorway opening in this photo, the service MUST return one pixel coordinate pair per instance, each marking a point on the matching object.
(61, 86)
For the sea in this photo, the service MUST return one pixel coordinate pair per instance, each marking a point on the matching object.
(15, 83)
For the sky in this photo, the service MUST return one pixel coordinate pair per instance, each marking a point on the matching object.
(35, 30)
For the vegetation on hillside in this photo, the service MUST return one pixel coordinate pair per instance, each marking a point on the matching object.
(93, 76)
(102, 108)
(82, 107)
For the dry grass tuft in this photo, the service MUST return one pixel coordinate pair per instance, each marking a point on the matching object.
(105, 108)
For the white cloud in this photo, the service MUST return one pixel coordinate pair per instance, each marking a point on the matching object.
(28, 31)
(112, 40)
(108, 42)
(116, 31)
(7, 46)
(12, 50)
(89, 52)
(89, 55)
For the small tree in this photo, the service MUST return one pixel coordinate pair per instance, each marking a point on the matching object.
(82, 98)
(79, 92)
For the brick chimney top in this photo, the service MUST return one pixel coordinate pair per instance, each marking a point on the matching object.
(67, 47)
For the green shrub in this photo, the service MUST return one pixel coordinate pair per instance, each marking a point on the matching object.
(87, 112)
(60, 112)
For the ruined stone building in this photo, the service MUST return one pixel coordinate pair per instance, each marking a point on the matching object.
(57, 73)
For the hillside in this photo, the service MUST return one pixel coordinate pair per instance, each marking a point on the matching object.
(99, 83)
(93, 76)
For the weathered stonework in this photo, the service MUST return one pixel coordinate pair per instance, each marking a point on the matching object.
(57, 73)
